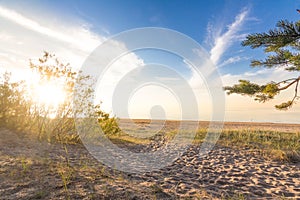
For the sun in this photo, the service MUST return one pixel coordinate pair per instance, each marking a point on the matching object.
(49, 94)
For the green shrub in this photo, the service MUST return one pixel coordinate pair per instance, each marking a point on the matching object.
(20, 111)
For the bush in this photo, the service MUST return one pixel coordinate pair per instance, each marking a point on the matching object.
(14, 107)
(20, 111)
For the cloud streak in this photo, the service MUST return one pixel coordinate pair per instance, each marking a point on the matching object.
(223, 40)
(232, 60)
(220, 41)
(32, 25)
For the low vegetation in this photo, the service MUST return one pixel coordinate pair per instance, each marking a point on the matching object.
(281, 146)
(276, 145)
(23, 109)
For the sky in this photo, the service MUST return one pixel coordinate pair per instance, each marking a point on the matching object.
(74, 29)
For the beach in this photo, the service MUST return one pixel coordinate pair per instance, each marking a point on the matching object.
(32, 169)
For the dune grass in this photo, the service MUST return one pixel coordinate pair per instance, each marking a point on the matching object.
(281, 146)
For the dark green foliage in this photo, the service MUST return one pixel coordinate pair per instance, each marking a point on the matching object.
(244, 87)
(286, 34)
(261, 93)
(283, 42)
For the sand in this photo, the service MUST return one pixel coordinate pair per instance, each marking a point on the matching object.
(30, 170)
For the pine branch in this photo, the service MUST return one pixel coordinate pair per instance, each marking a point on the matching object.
(289, 104)
(287, 80)
(286, 34)
(266, 92)
(284, 41)
(290, 84)
(282, 58)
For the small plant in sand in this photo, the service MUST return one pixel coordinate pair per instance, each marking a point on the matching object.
(24, 165)
(66, 173)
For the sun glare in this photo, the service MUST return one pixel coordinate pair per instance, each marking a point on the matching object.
(49, 94)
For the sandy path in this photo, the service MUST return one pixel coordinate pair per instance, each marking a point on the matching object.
(228, 172)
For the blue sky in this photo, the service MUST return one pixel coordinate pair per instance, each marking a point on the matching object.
(72, 29)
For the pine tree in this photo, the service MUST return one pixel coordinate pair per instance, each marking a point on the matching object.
(283, 43)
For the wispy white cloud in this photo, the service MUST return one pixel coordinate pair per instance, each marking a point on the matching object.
(90, 40)
(220, 41)
(232, 60)
(261, 76)
(25, 38)
(223, 40)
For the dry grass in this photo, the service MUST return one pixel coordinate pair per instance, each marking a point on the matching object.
(277, 145)
(280, 146)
